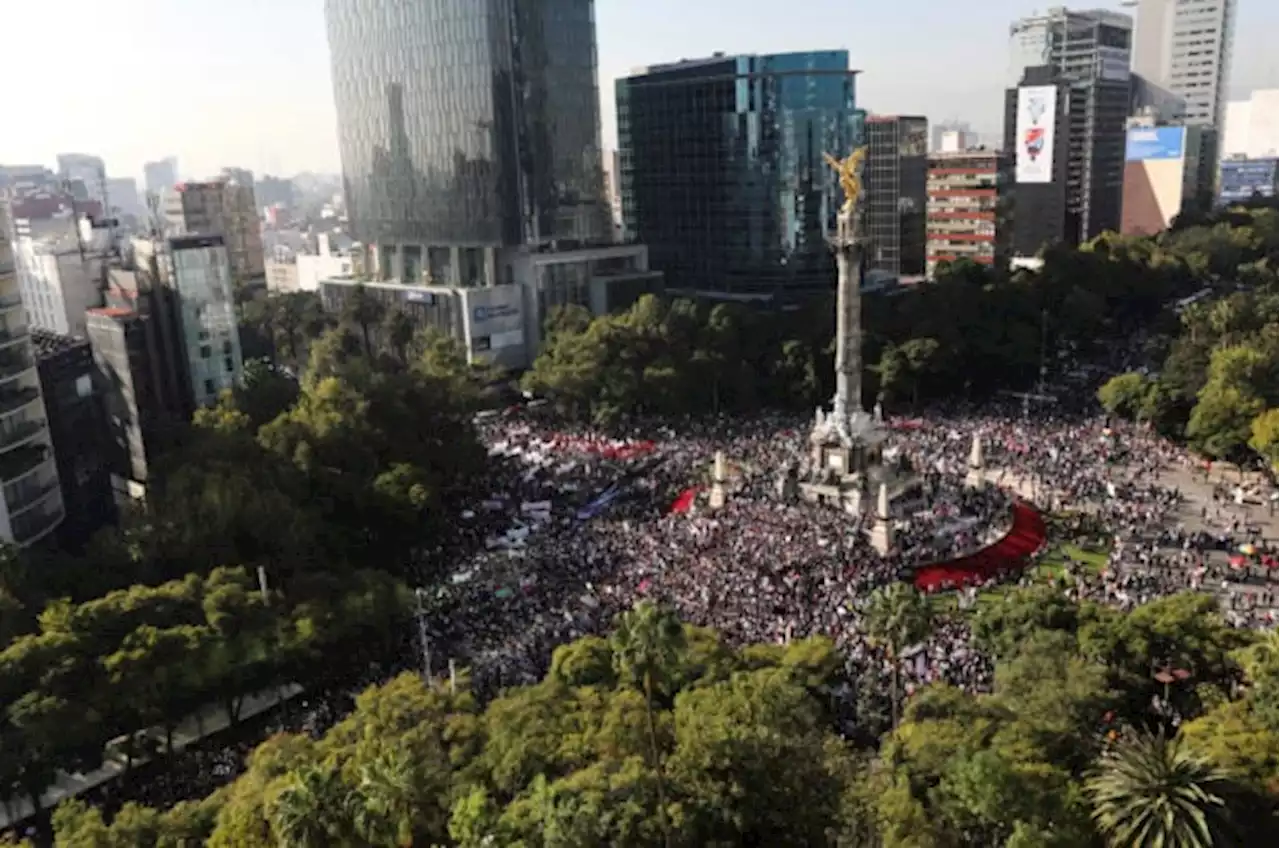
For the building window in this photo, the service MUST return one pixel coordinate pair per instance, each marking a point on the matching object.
(226, 347)
(84, 385)
(208, 387)
(205, 351)
(231, 368)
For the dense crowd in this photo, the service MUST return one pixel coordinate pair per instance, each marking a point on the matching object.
(577, 525)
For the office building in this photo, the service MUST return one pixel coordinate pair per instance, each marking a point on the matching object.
(227, 209)
(1244, 179)
(202, 296)
(1162, 176)
(78, 427)
(893, 180)
(1251, 128)
(160, 176)
(503, 324)
(722, 170)
(463, 130)
(1182, 49)
(965, 217)
(1065, 113)
(59, 266)
(31, 504)
(126, 356)
(86, 174)
(466, 168)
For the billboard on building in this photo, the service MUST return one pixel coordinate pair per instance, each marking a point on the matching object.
(1036, 120)
(1242, 179)
(1146, 144)
(1155, 179)
(494, 324)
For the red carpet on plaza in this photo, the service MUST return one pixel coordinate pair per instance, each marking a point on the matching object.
(1024, 538)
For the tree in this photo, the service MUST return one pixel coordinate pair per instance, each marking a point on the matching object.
(920, 357)
(1124, 394)
(1222, 420)
(363, 310)
(897, 618)
(1149, 790)
(315, 809)
(646, 645)
(1264, 438)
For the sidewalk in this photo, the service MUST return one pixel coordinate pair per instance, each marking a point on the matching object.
(210, 720)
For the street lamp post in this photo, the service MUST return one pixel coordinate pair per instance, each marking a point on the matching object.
(424, 640)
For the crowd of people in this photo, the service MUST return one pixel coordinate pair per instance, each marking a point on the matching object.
(577, 526)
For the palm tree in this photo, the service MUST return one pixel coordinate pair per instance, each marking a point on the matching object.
(646, 647)
(390, 793)
(363, 309)
(1150, 792)
(897, 618)
(315, 810)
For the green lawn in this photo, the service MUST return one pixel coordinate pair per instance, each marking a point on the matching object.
(1051, 565)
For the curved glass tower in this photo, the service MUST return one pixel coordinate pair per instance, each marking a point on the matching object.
(467, 124)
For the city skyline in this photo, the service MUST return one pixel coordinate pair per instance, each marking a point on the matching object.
(206, 102)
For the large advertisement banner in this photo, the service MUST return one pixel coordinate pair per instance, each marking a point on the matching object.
(1144, 144)
(1037, 114)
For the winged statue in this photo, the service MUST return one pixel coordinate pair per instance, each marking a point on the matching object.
(849, 170)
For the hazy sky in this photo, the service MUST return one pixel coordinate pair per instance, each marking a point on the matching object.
(246, 82)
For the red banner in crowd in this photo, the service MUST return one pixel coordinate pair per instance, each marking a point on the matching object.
(606, 448)
(684, 503)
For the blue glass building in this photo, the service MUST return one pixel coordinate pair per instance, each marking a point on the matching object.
(722, 173)
(1241, 179)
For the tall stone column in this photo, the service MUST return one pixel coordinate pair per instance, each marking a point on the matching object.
(848, 399)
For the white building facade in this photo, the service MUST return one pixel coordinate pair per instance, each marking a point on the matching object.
(31, 505)
(1252, 127)
(1183, 48)
(58, 275)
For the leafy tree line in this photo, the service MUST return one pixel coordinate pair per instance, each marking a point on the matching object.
(970, 332)
(336, 488)
(1216, 377)
(661, 734)
(147, 656)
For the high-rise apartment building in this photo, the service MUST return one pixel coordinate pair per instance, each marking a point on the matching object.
(965, 215)
(161, 175)
(722, 169)
(31, 503)
(1065, 112)
(893, 181)
(1182, 49)
(465, 128)
(227, 209)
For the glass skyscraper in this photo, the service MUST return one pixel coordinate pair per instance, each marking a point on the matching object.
(467, 125)
(722, 172)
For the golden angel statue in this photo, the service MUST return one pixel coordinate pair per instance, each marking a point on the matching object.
(850, 171)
